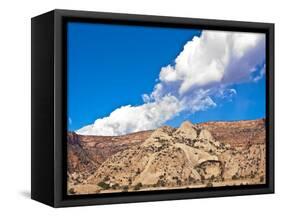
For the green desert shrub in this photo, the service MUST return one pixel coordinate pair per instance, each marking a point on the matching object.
(138, 171)
(125, 188)
(115, 186)
(161, 183)
(234, 177)
(106, 178)
(179, 182)
(71, 191)
(138, 186)
(103, 185)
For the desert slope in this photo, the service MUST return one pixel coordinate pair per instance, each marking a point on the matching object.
(187, 157)
(87, 153)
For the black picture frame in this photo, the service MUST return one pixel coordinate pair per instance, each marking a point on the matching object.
(48, 75)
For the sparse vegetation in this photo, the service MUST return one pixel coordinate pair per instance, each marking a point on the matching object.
(115, 186)
(104, 185)
(179, 182)
(138, 186)
(72, 191)
(234, 177)
(106, 179)
(130, 181)
(191, 180)
(160, 183)
(125, 188)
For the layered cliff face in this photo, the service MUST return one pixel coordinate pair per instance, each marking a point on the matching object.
(87, 153)
(237, 133)
(167, 158)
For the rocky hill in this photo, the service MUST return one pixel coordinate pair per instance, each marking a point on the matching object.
(190, 156)
(87, 153)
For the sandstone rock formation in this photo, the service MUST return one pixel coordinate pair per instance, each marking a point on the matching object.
(86, 153)
(191, 156)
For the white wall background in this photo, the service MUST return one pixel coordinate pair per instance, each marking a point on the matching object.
(15, 106)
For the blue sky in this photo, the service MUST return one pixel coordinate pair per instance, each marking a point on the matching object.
(113, 65)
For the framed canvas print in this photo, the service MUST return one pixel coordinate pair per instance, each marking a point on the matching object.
(133, 108)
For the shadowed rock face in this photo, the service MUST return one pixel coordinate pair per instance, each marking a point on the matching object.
(191, 156)
(87, 153)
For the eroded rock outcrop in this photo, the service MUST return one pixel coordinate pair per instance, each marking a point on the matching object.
(187, 157)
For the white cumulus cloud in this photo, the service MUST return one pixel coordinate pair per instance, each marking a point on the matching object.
(128, 119)
(202, 71)
(216, 57)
